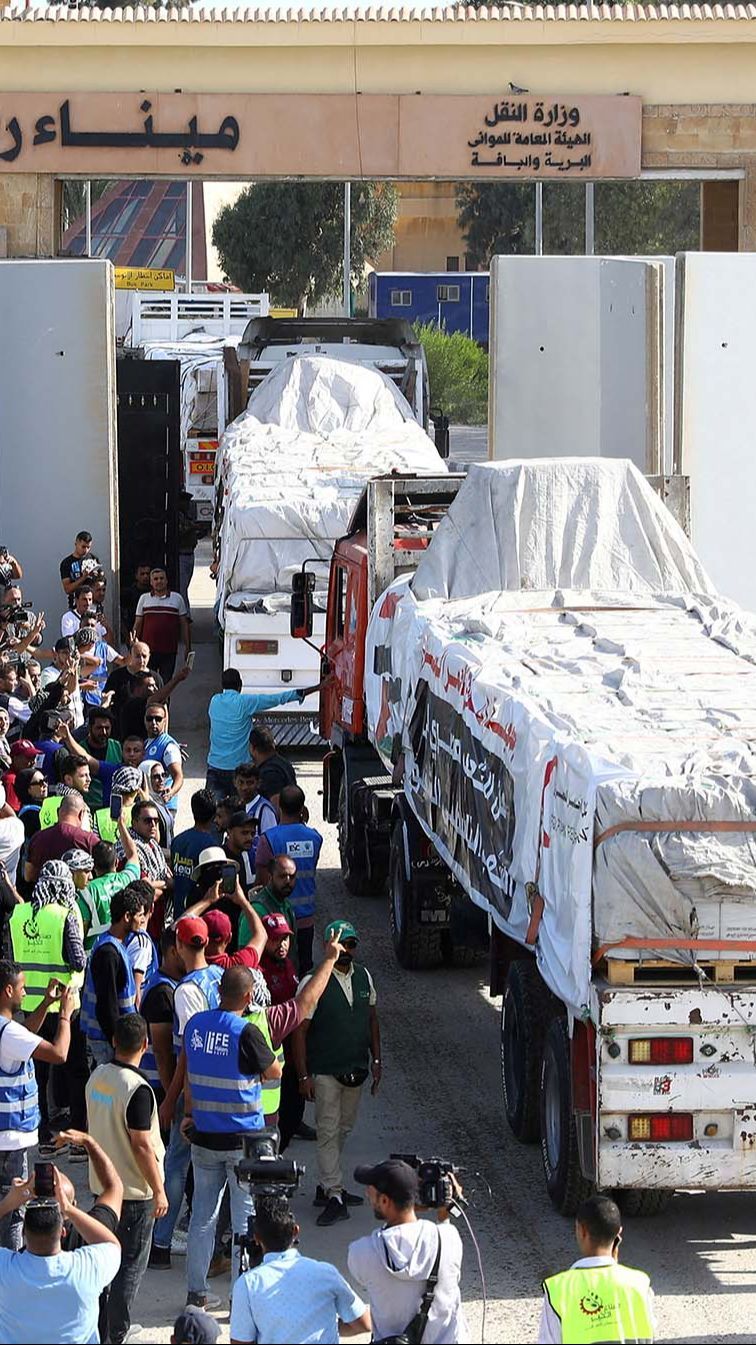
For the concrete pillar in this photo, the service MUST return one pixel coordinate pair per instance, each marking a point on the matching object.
(30, 214)
(747, 208)
(719, 216)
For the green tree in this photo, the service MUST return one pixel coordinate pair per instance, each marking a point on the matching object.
(457, 374)
(631, 218)
(288, 237)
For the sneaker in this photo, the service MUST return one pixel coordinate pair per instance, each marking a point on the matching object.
(179, 1242)
(77, 1153)
(208, 1302)
(220, 1265)
(49, 1149)
(305, 1132)
(321, 1198)
(160, 1258)
(334, 1211)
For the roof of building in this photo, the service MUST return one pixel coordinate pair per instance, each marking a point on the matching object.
(513, 11)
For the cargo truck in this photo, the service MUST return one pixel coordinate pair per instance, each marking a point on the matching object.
(539, 709)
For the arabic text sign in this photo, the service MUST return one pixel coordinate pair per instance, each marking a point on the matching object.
(143, 278)
(394, 136)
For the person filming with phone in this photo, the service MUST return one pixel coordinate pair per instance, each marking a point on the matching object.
(597, 1299)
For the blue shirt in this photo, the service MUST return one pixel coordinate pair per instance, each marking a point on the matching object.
(185, 851)
(231, 714)
(54, 1297)
(291, 1297)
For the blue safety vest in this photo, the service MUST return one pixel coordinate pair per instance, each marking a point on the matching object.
(19, 1099)
(149, 1063)
(224, 1101)
(208, 979)
(126, 997)
(140, 936)
(302, 844)
(154, 750)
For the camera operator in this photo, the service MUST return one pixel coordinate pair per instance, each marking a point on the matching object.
(289, 1296)
(395, 1262)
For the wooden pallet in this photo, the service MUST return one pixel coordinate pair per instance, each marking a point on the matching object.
(622, 971)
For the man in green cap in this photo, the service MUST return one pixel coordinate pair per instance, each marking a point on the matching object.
(333, 1048)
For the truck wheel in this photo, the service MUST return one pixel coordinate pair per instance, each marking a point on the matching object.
(354, 873)
(523, 1026)
(643, 1204)
(565, 1182)
(416, 945)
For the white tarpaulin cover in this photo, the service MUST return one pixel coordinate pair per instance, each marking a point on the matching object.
(293, 467)
(577, 673)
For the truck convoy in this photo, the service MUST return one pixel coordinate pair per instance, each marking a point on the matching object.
(327, 415)
(539, 707)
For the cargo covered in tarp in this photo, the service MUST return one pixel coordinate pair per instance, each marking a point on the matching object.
(292, 468)
(558, 674)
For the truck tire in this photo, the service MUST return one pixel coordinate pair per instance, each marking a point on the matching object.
(565, 1182)
(644, 1203)
(416, 945)
(524, 1010)
(354, 874)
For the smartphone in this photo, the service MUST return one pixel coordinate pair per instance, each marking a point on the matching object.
(190, 659)
(228, 879)
(44, 1181)
(116, 806)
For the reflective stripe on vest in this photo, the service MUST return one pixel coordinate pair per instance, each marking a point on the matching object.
(224, 1101)
(19, 1099)
(126, 997)
(208, 979)
(302, 844)
(38, 949)
(271, 1088)
(598, 1304)
(148, 1065)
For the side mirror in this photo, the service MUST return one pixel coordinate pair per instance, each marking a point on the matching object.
(440, 433)
(302, 590)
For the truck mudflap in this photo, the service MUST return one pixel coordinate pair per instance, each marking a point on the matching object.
(676, 1087)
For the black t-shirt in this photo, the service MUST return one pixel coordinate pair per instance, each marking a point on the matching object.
(104, 1215)
(275, 774)
(119, 682)
(255, 1056)
(157, 1004)
(108, 978)
(73, 567)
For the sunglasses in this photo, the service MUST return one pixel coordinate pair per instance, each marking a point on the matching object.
(151, 821)
(153, 719)
(40, 780)
(351, 944)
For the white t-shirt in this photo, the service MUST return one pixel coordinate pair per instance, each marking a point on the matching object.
(70, 622)
(140, 952)
(17, 1044)
(51, 674)
(188, 1000)
(12, 837)
(344, 980)
(18, 709)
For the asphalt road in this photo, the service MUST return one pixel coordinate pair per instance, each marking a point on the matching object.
(441, 1096)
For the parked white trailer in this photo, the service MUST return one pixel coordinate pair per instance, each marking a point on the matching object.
(58, 410)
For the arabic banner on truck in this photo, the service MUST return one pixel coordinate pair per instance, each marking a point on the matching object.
(393, 136)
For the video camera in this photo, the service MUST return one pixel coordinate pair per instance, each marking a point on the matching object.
(263, 1170)
(21, 614)
(435, 1189)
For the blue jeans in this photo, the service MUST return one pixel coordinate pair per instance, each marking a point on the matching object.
(213, 1170)
(13, 1163)
(99, 1052)
(177, 1157)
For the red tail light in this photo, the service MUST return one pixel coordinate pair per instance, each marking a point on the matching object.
(660, 1126)
(660, 1051)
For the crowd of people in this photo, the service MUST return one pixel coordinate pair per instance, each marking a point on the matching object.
(160, 1006)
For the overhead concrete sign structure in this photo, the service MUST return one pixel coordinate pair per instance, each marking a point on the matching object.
(258, 135)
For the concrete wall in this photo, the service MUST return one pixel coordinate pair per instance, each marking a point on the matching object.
(57, 427)
(426, 229)
(555, 322)
(716, 413)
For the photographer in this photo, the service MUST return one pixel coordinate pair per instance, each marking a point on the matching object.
(48, 1293)
(395, 1262)
(78, 568)
(288, 1296)
(10, 568)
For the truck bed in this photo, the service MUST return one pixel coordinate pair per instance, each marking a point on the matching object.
(582, 756)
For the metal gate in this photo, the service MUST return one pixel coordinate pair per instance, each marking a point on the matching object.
(149, 463)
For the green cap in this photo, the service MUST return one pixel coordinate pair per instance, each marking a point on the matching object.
(340, 929)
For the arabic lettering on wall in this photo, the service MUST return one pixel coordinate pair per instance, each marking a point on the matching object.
(191, 142)
(552, 130)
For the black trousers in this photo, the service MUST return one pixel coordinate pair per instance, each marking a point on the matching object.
(77, 1073)
(135, 1237)
(304, 949)
(165, 664)
(51, 1079)
(292, 1106)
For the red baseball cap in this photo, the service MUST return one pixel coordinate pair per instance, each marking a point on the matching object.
(23, 748)
(276, 926)
(192, 931)
(218, 924)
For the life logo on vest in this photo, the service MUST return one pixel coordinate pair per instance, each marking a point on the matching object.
(213, 1043)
